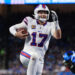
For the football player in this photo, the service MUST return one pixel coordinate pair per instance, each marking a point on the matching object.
(39, 32)
(69, 60)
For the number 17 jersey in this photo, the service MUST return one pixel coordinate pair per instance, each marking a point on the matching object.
(39, 36)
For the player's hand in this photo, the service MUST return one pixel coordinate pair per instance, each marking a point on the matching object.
(54, 15)
(21, 35)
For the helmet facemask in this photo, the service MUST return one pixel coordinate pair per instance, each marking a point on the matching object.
(43, 15)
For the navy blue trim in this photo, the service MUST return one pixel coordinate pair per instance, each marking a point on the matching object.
(43, 24)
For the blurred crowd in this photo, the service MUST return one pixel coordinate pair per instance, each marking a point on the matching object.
(53, 64)
(10, 47)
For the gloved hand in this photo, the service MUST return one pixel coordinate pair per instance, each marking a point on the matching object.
(54, 15)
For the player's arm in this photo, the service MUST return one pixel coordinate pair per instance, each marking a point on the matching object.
(56, 31)
(19, 34)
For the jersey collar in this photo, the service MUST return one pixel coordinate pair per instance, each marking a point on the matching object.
(43, 24)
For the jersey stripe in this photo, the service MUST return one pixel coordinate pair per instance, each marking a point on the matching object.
(43, 5)
(25, 54)
(26, 21)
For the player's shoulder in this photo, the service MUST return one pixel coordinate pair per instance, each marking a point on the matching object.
(28, 18)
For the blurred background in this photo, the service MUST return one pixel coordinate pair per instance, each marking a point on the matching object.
(10, 46)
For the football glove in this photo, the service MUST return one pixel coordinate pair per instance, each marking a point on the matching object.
(54, 15)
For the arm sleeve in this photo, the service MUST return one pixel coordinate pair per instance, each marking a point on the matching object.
(54, 26)
(13, 28)
(23, 24)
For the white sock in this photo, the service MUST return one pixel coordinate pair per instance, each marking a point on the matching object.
(40, 67)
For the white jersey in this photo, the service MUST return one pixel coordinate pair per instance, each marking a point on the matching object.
(39, 35)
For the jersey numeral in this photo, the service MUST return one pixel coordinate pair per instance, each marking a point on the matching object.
(43, 36)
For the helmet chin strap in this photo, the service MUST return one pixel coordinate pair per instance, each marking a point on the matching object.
(43, 20)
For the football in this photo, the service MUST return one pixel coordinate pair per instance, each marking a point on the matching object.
(24, 30)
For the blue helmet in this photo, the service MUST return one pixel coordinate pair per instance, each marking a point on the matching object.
(73, 57)
(67, 55)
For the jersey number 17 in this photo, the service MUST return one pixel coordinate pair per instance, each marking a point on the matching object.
(43, 36)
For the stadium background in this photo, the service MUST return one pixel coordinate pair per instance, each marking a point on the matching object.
(10, 46)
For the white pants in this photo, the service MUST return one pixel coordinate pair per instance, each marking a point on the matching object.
(27, 59)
